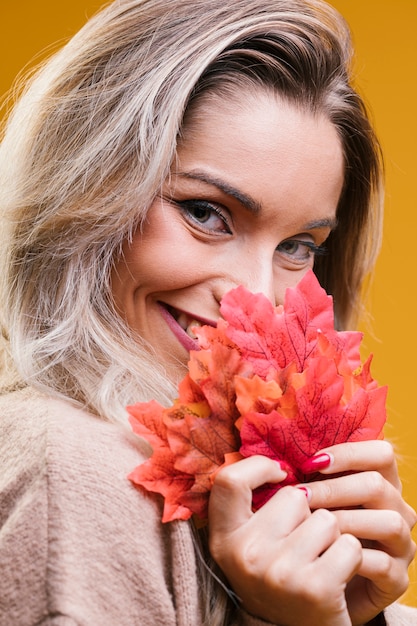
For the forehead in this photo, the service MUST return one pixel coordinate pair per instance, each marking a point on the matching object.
(252, 110)
(262, 153)
(244, 96)
(257, 133)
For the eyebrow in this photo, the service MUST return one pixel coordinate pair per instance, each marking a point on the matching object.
(247, 201)
(326, 222)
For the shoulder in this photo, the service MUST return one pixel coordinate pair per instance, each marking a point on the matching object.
(80, 539)
(51, 433)
(48, 441)
(43, 437)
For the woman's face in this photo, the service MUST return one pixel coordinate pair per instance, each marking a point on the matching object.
(253, 192)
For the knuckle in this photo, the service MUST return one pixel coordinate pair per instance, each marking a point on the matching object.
(403, 583)
(352, 545)
(394, 573)
(399, 580)
(301, 584)
(328, 519)
(412, 515)
(250, 558)
(298, 495)
(324, 490)
(386, 454)
(281, 575)
(385, 565)
(227, 478)
(396, 525)
(413, 548)
(353, 541)
(377, 484)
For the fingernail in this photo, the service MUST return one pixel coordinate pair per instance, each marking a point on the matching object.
(282, 465)
(316, 463)
(306, 490)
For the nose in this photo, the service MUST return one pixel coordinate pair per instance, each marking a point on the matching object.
(254, 271)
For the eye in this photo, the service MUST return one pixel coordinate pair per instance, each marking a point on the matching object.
(206, 215)
(300, 251)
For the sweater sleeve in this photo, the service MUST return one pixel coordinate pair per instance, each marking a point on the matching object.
(400, 615)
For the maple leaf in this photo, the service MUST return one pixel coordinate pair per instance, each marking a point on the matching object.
(191, 438)
(271, 338)
(321, 417)
(276, 381)
(158, 474)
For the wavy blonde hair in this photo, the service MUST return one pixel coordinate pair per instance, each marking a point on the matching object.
(91, 140)
(88, 145)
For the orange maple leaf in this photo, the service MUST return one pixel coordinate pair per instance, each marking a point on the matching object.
(191, 438)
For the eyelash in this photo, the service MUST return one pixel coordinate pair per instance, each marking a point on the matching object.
(187, 207)
(314, 248)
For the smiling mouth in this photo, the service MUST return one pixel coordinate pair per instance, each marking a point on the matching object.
(187, 322)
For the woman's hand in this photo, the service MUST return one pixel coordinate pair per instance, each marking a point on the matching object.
(367, 503)
(288, 566)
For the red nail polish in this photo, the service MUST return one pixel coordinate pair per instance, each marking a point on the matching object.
(316, 463)
(305, 490)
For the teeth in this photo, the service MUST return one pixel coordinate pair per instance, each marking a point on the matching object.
(182, 320)
(190, 326)
(187, 324)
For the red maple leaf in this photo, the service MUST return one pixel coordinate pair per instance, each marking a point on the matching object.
(321, 416)
(277, 381)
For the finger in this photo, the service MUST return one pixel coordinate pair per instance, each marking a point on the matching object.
(390, 576)
(362, 456)
(321, 584)
(381, 580)
(284, 512)
(342, 560)
(367, 489)
(230, 503)
(311, 538)
(387, 528)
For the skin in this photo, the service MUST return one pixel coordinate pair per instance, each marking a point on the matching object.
(254, 187)
(274, 174)
(293, 562)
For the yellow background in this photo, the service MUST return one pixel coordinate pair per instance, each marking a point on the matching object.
(386, 56)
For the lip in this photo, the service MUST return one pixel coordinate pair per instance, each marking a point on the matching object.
(185, 340)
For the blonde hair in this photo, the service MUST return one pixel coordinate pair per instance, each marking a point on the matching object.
(90, 142)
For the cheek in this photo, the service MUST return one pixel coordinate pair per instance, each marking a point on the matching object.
(151, 264)
(288, 280)
(127, 273)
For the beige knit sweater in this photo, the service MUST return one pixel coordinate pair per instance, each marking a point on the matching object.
(79, 545)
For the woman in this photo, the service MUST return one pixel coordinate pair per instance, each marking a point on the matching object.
(169, 152)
